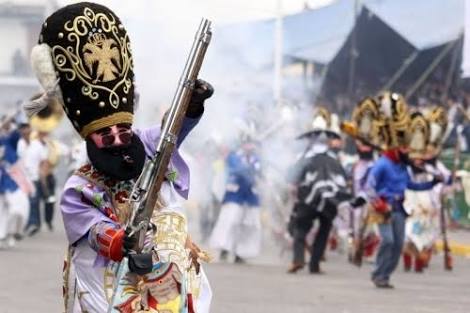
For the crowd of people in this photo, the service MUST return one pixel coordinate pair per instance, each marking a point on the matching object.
(27, 179)
(30, 158)
(385, 201)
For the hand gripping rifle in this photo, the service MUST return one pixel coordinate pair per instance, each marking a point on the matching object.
(145, 192)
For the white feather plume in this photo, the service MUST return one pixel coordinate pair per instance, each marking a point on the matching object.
(436, 133)
(386, 106)
(34, 106)
(334, 127)
(43, 67)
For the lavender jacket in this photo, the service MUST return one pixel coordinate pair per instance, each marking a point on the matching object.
(79, 216)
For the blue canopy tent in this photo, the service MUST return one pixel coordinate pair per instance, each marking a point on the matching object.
(396, 41)
(312, 35)
(398, 46)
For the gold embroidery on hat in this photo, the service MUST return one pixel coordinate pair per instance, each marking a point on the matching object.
(418, 135)
(104, 57)
(366, 117)
(113, 119)
(102, 51)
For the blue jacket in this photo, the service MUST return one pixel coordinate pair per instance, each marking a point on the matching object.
(389, 180)
(6, 182)
(8, 157)
(242, 171)
(10, 142)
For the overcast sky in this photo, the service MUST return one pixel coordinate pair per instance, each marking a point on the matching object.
(221, 11)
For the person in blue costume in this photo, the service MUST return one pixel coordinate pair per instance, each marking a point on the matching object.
(14, 207)
(238, 227)
(386, 184)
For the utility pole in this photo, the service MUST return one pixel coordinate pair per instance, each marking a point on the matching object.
(278, 53)
(353, 52)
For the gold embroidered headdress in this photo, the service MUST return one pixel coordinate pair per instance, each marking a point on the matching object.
(438, 120)
(395, 116)
(86, 49)
(367, 120)
(418, 136)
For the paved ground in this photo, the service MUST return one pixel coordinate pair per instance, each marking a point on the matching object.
(343, 289)
(30, 278)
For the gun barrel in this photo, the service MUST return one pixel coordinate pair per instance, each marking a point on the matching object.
(151, 179)
(187, 80)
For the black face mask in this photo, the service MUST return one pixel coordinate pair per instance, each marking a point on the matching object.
(417, 169)
(121, 163)
(365, 155)
(432, 161)
(404, 157)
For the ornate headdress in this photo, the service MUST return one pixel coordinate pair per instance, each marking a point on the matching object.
(418, 136)
(395, 117)
(86, 49)
(323, 121)
(247, 131)
(438, 120)
(366, 120)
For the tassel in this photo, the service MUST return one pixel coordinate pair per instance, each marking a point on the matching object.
(34, 106)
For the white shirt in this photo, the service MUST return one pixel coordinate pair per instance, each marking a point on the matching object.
(32, 157)
(21, 148)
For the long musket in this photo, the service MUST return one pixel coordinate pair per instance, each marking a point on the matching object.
(448, 264)
(145, 192)
(358, 243)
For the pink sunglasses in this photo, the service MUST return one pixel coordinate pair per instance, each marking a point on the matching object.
(108, 139)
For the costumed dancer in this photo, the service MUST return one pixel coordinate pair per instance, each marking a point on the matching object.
(321, 186)
(386, 185)
(14, 207)
(238, 226)
(423, 207)
(363, 229)
(439, 131)
(84, 61)
(361, 169)
(340, 229)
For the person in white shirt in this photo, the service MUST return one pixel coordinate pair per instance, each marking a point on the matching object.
(35, 160)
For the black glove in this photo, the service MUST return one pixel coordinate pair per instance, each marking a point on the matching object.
(141, 263)
(128, 242)
(357, 202)
(202, 91)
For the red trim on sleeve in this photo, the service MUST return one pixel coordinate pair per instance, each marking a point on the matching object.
(115, 248)
(110, 243)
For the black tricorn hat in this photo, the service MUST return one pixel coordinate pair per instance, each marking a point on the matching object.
(86, 49)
